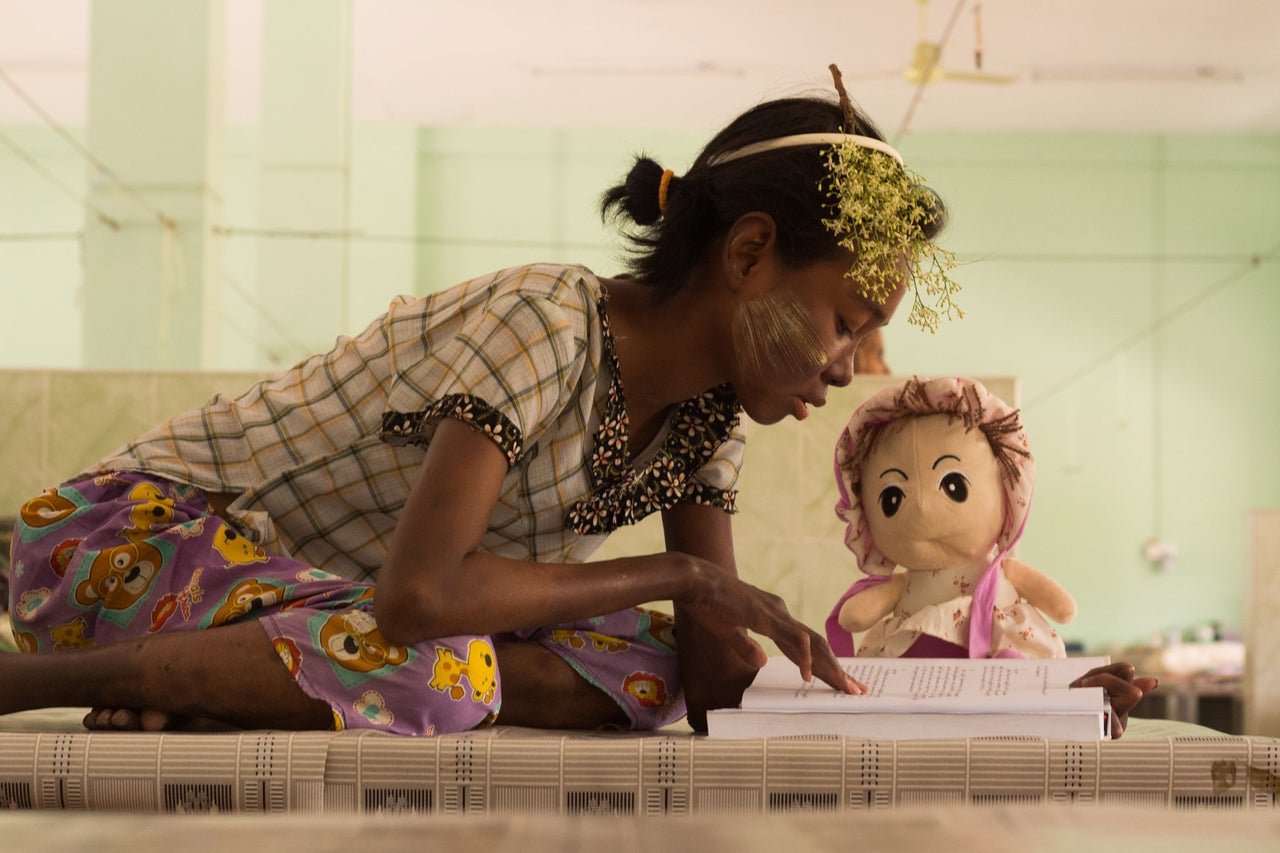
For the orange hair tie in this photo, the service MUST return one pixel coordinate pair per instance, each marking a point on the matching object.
(663, 186)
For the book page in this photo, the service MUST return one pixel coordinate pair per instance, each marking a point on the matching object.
(937, 685)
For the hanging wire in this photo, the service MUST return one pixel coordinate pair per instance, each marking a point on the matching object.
(365, 237)
(1106, 257)
(977, 35)
(172, 261)
(42, 237)
(263, 313)
(102, 168)
(72, 193)
(1254, 263)
(918, 94)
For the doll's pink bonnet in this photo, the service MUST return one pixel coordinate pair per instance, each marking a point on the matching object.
(963, 399)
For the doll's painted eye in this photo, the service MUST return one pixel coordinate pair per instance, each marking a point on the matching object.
(890, 501)
(956, 487)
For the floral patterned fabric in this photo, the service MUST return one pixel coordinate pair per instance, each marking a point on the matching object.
(697, 428)
(477, 414)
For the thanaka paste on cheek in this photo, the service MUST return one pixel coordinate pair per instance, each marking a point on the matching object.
(774, 332)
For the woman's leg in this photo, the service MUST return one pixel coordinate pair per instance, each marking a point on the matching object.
(540, 690)
(619, 669)
(230, 674)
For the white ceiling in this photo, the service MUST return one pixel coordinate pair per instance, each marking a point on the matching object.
(1094, 65)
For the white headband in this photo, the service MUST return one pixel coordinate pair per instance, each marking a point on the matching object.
(805, 139)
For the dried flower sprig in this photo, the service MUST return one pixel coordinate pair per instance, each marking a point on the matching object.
(880, 211)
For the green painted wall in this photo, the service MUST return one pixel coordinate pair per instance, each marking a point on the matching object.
(1131, 282)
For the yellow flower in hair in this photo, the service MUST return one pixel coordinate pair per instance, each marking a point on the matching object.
(879, 210)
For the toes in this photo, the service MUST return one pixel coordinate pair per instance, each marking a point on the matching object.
(123, 720)
(154, 721)
(128, 720)
(111, 719)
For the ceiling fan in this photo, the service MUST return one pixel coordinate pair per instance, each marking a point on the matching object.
(926, 66)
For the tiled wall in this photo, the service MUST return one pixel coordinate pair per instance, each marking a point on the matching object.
(787, 537)
(56, 422)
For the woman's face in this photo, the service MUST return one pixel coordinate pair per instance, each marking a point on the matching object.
(799, 337)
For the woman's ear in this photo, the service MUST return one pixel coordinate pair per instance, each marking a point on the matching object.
(748, 247)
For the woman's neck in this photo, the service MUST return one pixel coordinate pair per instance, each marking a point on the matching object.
(666, 346)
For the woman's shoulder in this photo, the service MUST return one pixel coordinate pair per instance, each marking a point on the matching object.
(559, 296)
(573, 288)
(553, 281)
(560, 283)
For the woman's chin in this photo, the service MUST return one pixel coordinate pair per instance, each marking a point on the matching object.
(764, 415)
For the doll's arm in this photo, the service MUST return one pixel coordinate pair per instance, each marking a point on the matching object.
(1040, 590)
(866, 608)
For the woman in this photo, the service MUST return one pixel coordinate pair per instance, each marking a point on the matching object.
(466, 453)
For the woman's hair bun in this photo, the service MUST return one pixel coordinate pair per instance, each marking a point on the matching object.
(641, 199)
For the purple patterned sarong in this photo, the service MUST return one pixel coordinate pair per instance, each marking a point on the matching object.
(121, 556)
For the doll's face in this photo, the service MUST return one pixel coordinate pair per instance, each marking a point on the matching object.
(932, 494)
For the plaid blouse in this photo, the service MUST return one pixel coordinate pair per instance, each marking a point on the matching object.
(324, 454)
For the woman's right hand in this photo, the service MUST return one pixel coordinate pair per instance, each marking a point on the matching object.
(726, 605)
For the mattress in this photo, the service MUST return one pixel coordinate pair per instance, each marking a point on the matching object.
(47, 762)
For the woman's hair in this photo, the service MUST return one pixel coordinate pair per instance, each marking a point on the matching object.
(701, 205)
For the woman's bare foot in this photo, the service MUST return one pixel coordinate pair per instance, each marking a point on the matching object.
(186, 680)
(128, 720)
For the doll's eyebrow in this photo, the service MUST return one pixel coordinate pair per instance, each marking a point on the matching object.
(899, 470)
(945, 456)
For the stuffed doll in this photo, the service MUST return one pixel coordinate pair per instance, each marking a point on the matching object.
(935, 479)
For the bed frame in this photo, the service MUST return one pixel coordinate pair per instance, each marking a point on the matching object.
(510, 770)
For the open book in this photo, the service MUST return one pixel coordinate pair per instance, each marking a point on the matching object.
(919, 698)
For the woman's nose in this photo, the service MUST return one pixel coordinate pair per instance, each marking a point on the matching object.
(839, 371)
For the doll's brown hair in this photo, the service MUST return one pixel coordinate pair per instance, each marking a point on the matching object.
(913, 402)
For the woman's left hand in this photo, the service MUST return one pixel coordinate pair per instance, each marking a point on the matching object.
(1124, 689)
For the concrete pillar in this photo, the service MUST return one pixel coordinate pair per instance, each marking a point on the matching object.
(155, 124)
(304, 183)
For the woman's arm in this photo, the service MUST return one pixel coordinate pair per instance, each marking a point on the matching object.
(435, 583)
(718, 661)
(714, 670)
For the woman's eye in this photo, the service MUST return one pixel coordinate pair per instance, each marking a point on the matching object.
(842, 328)
(956, 487)
(891, 501)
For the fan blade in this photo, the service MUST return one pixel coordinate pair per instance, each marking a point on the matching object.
(976, 77)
